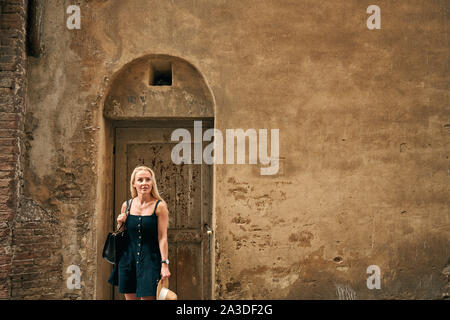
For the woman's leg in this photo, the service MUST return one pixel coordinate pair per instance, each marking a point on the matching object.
(130, 296)
(148, 298)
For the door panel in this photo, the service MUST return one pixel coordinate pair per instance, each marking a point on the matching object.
(190, 261)
(186, 189)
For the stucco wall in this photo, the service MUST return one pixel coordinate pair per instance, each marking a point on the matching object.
(364, 138)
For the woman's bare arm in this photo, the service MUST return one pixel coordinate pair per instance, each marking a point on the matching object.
(163, 224)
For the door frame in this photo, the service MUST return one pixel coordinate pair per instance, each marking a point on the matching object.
(208, 243)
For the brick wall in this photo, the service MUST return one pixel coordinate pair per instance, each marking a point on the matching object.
(12, 110)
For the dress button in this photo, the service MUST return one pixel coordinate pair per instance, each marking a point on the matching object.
(138, 253)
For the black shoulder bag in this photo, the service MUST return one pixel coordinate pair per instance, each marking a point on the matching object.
(116, 241)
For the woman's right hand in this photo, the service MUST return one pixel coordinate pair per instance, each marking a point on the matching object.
(121, 219)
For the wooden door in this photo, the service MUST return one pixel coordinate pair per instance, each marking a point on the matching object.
(187, 189)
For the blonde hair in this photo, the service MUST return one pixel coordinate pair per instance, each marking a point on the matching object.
(154, 190)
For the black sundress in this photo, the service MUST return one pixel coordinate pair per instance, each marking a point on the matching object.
(139, 267)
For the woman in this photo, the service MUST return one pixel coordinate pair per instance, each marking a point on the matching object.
(145, 259)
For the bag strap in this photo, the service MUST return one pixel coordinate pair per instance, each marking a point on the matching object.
(127, 211)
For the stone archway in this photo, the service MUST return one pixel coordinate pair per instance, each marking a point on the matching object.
(153, 94)
(140, 91)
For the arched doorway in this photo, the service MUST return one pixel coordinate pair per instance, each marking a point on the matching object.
(147, 100)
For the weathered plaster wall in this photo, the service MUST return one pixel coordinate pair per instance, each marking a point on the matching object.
(364, 138)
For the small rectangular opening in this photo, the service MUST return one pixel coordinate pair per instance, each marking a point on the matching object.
(160, 73)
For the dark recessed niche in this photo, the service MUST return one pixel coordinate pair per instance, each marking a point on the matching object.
(160, 73)
(34, 28)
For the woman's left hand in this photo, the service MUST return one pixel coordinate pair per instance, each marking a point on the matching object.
(165, 273)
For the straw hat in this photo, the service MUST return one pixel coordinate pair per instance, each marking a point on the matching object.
(163, 292)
